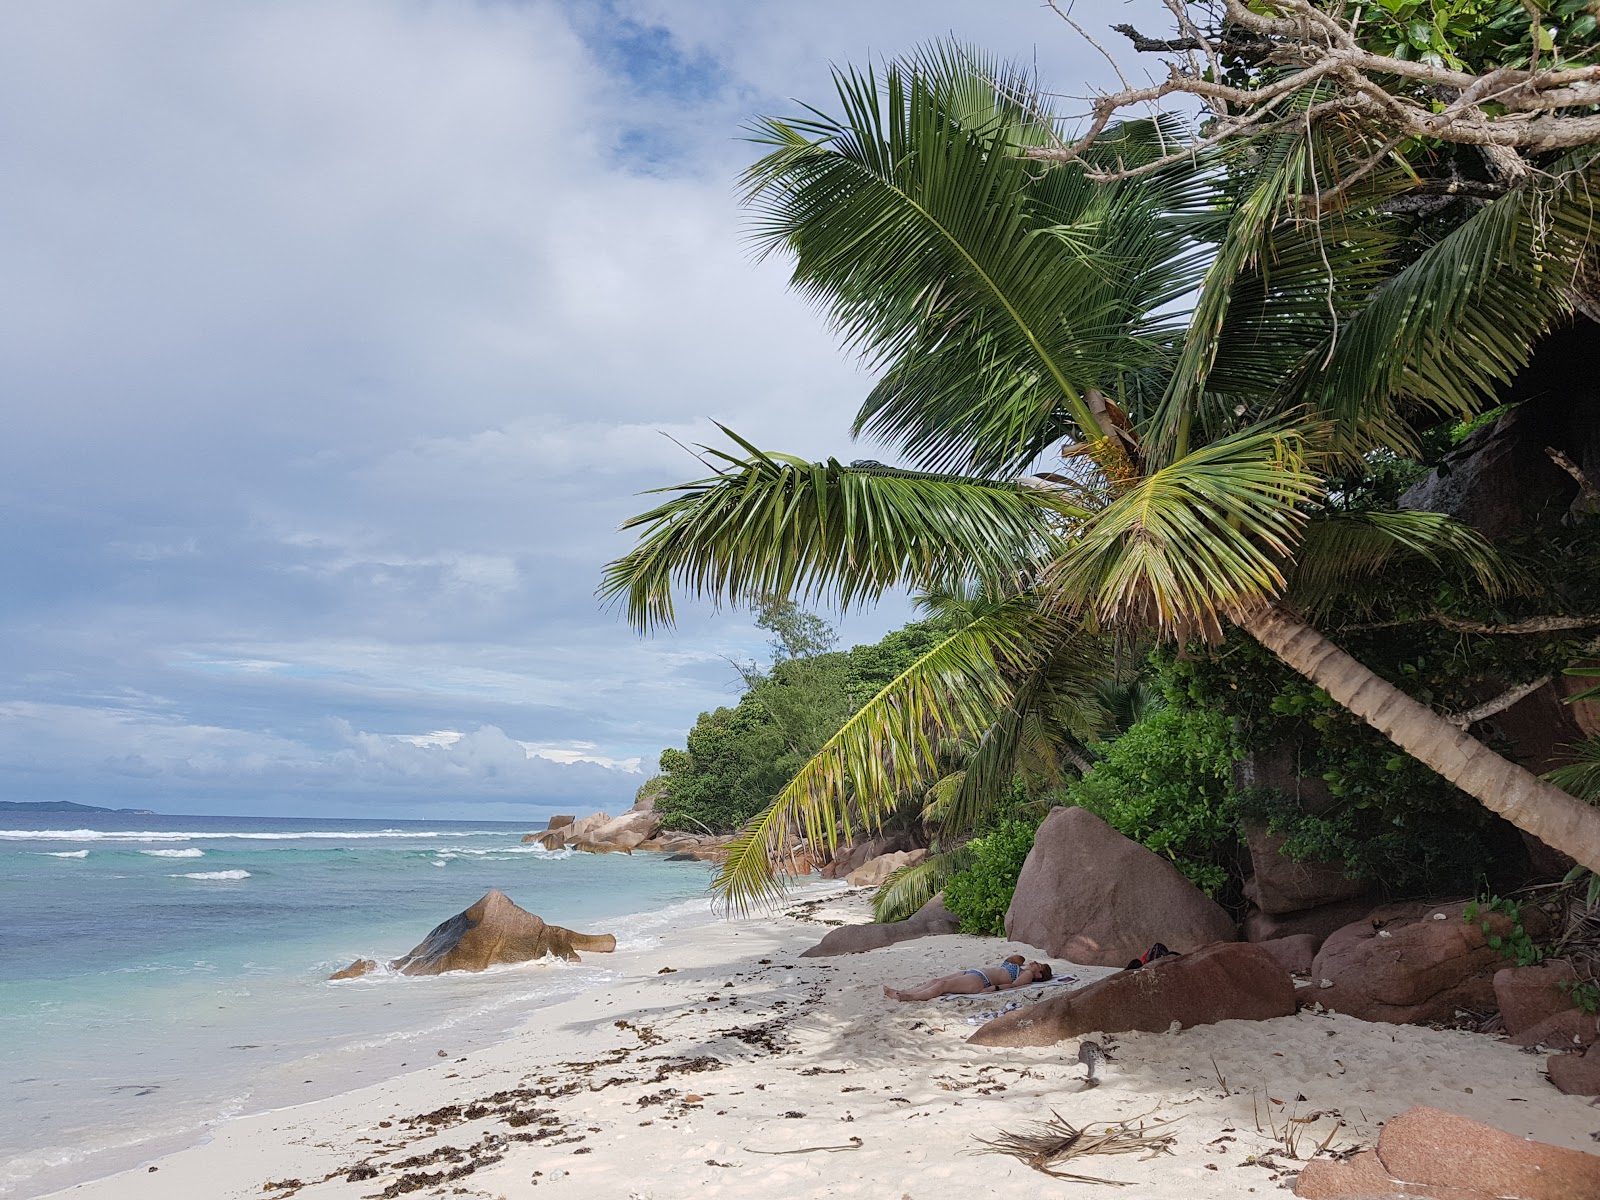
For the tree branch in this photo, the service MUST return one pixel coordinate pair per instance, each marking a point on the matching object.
(1508, 112)
(1590, 492)
(1499, 704)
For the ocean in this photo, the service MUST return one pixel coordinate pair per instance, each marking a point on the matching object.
(161, 974)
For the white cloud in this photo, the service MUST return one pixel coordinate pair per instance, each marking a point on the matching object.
(338, 336)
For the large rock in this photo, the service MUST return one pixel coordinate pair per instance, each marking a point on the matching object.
(874, 872)
(1576, 1074)
(1420, 968)
(1088, 894)
(1317, 922)
(494, 931)
(932, 919)
(848, 857)
(1530, 995)
(1225, 981)
(1563, 1031)
(1294, 954)
(554, 823)
(620, 833)
(1281, 885)
(1428, 1153)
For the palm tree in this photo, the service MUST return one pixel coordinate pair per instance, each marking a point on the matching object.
(1011, 308)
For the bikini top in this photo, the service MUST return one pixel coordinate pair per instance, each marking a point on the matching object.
(1013, 970)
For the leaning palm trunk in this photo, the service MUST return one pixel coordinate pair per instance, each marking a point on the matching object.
(1521, 797)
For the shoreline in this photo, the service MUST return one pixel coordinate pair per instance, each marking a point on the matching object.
(490, 1007)
(745, 1067)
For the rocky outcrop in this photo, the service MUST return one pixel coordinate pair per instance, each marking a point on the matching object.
(1294, 954)
(1317, 922)
(1088, 894)
(1571, 1029)
(848, 857)
(1576, 1074)
(491, 932)
(1281, 885)
(874, 872)
(622, 833)
(1529, 995)
(361, 966)
(1426, 1152)
(1408, 968)
(932, 919)
(1223, 982)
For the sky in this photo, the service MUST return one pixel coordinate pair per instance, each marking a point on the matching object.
(337, 339)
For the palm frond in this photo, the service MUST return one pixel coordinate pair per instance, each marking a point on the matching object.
(909, 888)
(1458, 322)
(991, 292)
(1194, 538)
(772, 525)
(1341, 552)
(1580, 777)
(889, 747)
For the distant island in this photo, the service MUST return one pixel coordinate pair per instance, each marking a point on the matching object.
(68, 806)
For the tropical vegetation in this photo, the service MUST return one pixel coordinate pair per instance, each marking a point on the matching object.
(1139, 404)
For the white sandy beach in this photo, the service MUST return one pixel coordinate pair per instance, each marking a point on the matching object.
(747, 1070)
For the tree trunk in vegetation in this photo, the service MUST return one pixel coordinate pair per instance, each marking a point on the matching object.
(1518, 795)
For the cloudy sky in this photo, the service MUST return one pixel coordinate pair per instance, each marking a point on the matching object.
(336, 339)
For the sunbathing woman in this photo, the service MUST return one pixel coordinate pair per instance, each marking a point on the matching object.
(1015, 972)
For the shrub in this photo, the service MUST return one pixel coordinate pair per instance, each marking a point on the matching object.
(980, 894)
(1168, 784)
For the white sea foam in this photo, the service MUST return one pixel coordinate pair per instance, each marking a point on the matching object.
(149, 835)
(66, 853)
(187, 852)
(213, 875)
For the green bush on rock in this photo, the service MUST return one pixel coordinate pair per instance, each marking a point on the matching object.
(1168, 784)
(980, 894)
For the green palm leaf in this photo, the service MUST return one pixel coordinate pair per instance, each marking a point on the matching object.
(1341, 553)
(1192, 540)
(1581, 776)
(909, 888)
(890, 746)
(1459, 321)
(774, 525)
(994, 294)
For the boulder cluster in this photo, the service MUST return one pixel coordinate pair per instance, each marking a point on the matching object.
(1090, 895)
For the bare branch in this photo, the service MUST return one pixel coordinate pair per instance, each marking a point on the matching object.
(1499, 704)
(1586, 486)
(1527, 625)
(1508, 112)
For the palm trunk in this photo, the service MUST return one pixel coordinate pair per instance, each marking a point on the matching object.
(1518, 795)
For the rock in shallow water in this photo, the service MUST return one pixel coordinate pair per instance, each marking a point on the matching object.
(492, 931)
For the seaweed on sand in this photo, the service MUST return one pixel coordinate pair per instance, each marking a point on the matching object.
(1057, 1141)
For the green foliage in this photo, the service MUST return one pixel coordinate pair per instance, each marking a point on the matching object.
(1167, 783)
(909, 888)
(1516, 945)
(736, 759)
(980, 894)
(1588, 881)
(1584, 994)
(1479, 35)
(1363, 803)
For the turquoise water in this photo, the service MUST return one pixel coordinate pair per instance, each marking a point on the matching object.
(158, 974)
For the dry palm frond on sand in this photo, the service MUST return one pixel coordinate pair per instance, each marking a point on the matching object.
(1057, 1141)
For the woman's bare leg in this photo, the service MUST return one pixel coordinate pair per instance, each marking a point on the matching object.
(964, 984)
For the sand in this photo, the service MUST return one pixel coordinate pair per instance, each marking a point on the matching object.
(749, 1071)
